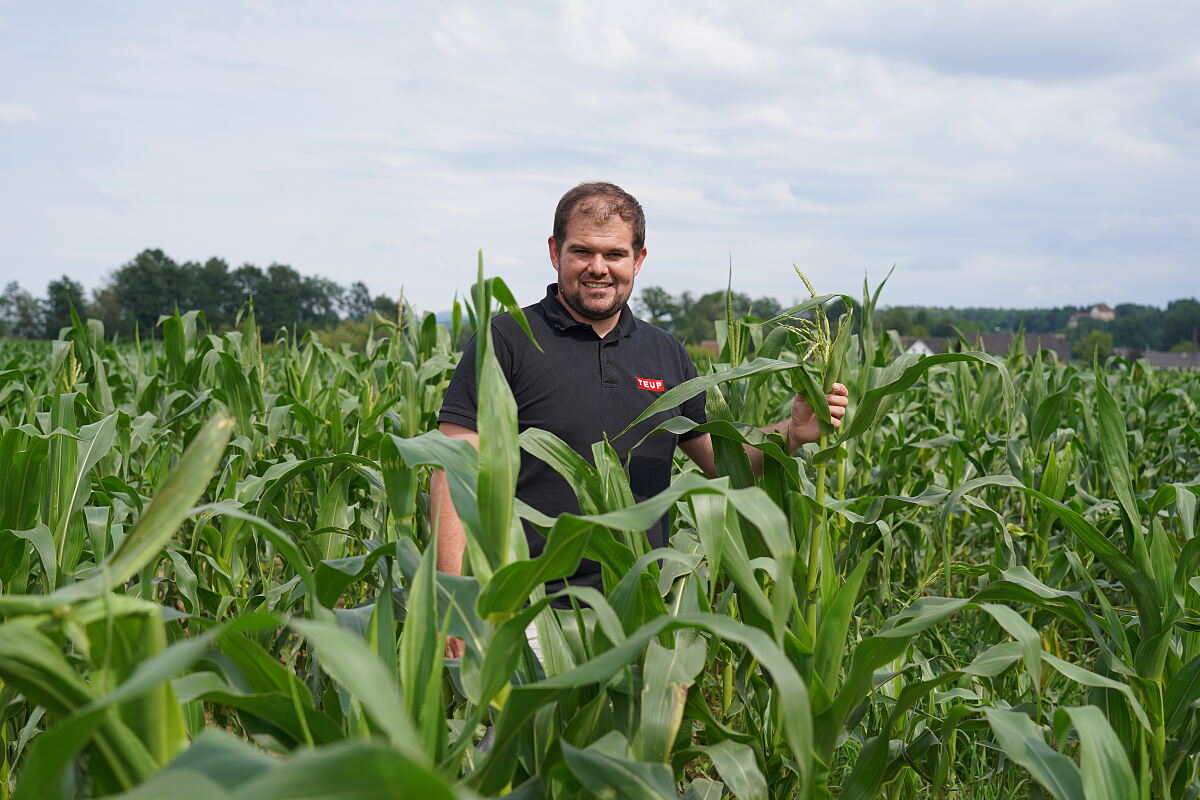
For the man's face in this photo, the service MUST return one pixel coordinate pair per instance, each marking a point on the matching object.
(595, 265)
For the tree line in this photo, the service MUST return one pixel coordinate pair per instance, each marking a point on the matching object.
(152, 284)
(693, 319)
(135, 295)
(1139, 327)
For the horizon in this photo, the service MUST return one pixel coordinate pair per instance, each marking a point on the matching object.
(639, 286)
(464, 291)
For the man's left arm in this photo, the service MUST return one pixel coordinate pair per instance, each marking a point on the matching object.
(800, 428)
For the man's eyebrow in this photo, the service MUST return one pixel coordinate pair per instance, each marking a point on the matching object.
(583, 248)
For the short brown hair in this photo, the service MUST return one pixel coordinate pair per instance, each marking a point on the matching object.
(601, 201)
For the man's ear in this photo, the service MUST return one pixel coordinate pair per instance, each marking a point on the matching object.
(553, 246)
(637, 264)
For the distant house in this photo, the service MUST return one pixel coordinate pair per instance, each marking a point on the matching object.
(995, 343)
(1163, 360)
(1002, 342)
(1101, 312)
(926, 345)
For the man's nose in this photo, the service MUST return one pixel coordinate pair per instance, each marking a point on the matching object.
(596, 264)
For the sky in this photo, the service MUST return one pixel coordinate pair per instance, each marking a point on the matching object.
(1017, 154)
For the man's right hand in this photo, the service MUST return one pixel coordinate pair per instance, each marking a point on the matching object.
(455, 647)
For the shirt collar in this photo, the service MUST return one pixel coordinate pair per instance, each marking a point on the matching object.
(561, 318)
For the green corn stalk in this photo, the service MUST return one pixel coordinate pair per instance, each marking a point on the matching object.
(826, 350)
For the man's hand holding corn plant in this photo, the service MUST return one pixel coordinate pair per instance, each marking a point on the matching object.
(802, 427)
(805, 427)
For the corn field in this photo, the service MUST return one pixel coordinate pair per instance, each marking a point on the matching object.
(218, 577)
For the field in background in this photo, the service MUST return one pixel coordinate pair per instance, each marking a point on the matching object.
(218, 582)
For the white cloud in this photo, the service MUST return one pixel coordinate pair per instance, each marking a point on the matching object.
(698, 43)
(461, 30)
(594, 40)
(15, 114)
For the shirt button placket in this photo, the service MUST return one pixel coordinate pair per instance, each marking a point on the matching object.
(606, 376)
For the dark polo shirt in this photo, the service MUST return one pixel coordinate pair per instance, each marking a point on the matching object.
(580, 388)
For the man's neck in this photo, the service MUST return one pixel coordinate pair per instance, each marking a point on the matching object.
(602, 327)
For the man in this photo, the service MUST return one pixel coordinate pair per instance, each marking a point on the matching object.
(600, 368)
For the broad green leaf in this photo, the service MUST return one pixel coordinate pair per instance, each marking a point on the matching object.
(1104, 764)
(274, 708)
(867, 409)
(871, 768)
(1022, 741)
(608, 775)
(42, 775)
(830, 643)
(215, 764)
(499, 459)
(508, 589)
(676, 395)
(458, 459)
(738, 768)
(666, 676)
(348, 771)
(581, 475)
(349, 660)
(1116, 454)
(1049, 415)
(1180, 695)
(524, 701)
(1086, 677)
(704, 789)
(1144, 594)
(171, 505)
(421, 649)
(43, 544)
(94, 443)
(1024, 634)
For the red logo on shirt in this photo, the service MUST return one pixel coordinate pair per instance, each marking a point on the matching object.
(653, 384)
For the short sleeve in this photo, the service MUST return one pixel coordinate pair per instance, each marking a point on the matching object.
(460, 405)
(693, 408)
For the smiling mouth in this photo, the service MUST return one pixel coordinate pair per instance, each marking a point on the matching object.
(595, 285)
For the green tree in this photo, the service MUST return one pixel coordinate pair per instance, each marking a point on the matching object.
(146, 288)
(62, 295)
(1085, 327)
(106, 307)
(895, 319)
(1137, 326)
(356, 303)
(696, 320)
(1096, 344)
(657, 306)
(248, 282)
(209, 288)
(1181, 322)
(320, 299)
(278, 303)
(766, 307)
(386, 307)
(21, 314)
